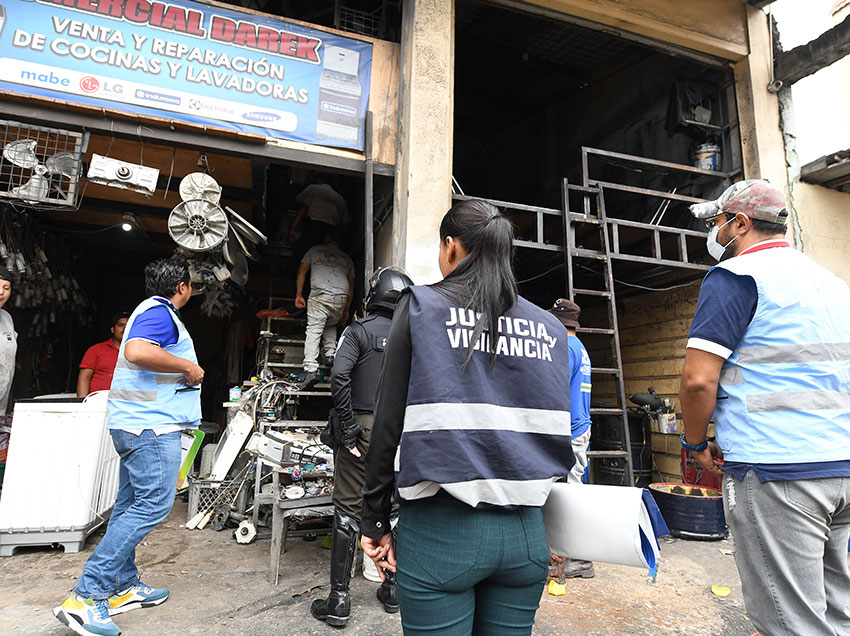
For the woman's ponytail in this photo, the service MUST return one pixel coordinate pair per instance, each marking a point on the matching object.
(484, 280)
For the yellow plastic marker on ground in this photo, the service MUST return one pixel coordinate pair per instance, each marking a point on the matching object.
(556, 589)
(722, 592)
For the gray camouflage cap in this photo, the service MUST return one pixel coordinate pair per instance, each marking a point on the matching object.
(755, 198)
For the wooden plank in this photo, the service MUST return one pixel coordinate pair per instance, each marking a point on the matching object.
(806, 59)
(383, 100)
(669, 464)
(655, 350)
(661, 368)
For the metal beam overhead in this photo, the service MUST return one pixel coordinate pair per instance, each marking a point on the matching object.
(266, 152)
(807, 59)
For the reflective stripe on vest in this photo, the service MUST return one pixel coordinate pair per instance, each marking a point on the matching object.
(496, 436)
(140, 398)
(784, 393)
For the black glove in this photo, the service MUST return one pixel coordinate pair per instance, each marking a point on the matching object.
(330, 435)
(350, 433)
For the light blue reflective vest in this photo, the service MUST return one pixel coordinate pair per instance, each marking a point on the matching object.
(784, 394)
(140, 398)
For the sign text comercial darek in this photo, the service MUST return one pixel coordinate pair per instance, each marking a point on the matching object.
(190, 61)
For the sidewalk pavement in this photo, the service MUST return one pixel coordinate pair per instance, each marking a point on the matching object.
(219, 587)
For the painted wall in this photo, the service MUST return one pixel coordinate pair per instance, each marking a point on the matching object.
(824, 225)
(816, 122)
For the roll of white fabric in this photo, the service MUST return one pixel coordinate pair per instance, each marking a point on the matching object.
(600, 523)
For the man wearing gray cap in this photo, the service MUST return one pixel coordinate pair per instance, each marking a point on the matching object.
(8, 341)
(767, 355)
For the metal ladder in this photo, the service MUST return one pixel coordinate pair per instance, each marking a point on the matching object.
(593, 199)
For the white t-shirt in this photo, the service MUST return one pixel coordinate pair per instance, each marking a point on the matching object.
(324, 204)
(330, 269)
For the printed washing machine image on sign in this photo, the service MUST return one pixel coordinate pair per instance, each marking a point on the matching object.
(339, 95)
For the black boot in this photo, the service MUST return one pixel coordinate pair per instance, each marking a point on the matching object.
(388, 593)
(336, 609)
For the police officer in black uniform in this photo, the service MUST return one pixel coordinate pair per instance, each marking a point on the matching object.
(354, 380)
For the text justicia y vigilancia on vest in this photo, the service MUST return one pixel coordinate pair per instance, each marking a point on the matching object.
(518, 337)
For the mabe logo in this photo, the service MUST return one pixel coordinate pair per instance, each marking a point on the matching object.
(89, 84)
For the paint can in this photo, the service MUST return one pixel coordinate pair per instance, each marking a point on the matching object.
(707, 156)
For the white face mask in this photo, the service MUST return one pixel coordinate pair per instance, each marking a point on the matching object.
(714, 248)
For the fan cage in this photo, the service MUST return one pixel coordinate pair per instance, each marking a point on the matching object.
(63, 191)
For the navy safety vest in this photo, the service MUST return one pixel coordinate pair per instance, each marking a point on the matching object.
(496, 436)
(784, 394)
(140, 398)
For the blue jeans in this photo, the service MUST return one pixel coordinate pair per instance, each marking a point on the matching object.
(463, 571)
(147, 483)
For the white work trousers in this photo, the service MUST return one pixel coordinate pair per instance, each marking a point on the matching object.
(580, 451)
(324, 312)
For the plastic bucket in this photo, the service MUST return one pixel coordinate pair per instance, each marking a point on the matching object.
(707, 157)
(694, 512)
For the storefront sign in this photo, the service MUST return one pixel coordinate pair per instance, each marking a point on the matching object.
(190, 61)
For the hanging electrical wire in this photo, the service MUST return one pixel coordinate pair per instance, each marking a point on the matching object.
(616, 280)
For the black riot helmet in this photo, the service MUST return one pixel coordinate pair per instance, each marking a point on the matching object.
(385, 288)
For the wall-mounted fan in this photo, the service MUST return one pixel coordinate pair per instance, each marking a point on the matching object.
(40, 167)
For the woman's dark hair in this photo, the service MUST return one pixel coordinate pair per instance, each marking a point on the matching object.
(163, 276)
(484, 280)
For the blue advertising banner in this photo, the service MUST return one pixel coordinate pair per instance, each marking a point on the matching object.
(190, 61)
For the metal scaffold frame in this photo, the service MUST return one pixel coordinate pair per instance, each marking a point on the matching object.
(613, 246)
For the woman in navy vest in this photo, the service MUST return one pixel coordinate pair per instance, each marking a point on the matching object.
(472, 427)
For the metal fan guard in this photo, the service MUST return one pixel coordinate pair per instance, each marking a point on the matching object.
(197, 225)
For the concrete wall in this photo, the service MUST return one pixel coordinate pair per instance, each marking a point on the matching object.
(824, 225)
(424, 155)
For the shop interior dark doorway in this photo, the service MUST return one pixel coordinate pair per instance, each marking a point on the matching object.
(116, 232)
(530, 91)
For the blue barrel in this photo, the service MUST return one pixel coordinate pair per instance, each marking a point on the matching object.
(691, 512)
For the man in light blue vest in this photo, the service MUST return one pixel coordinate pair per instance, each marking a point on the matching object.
(768, 354)
(155, 394)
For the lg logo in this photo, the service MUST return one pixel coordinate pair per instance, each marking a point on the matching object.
(89, 84)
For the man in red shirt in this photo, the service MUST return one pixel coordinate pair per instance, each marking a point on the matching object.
(98, 363)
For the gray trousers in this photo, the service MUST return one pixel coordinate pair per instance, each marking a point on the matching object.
(323, 314)
(791, 552)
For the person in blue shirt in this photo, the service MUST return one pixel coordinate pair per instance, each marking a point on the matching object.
(767, 357)
(568, 313)
(155, 394)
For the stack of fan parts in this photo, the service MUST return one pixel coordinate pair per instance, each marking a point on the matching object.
(200, 224)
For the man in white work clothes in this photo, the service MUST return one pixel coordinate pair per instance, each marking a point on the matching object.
(331, 290)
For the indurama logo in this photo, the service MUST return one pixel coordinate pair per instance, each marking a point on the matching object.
(260, 116)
